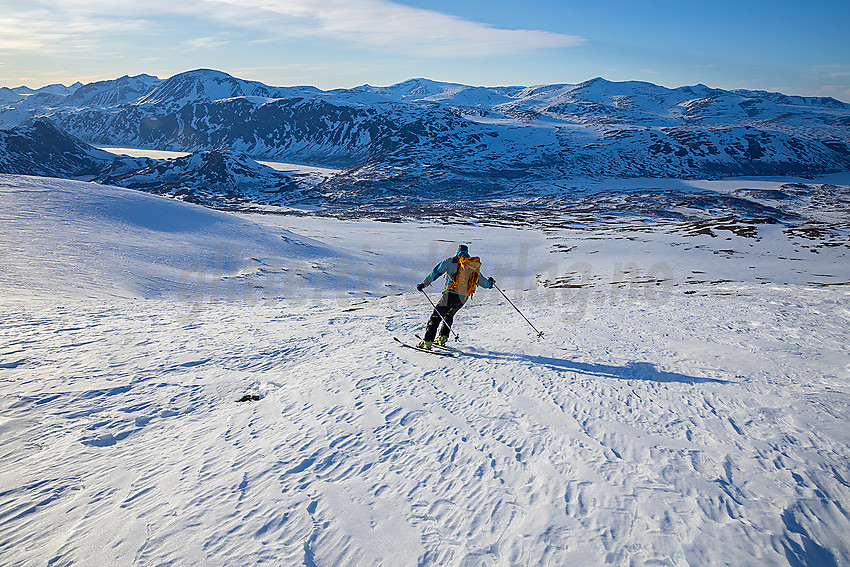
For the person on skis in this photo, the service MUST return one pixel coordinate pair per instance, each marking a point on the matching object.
(462, 276)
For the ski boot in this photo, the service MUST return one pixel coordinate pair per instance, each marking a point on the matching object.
(425, 345)
(441, 340)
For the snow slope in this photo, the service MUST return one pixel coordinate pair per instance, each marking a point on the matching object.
(72, 239)
(662, 420)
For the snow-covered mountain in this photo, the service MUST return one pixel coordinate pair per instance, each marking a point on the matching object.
(423, 136)
(206, 85)
(7, 96)
(217, 178)
(40, 148)
(105, 94)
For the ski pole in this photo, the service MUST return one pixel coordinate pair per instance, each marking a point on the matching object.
(539, 333)
(437, 311)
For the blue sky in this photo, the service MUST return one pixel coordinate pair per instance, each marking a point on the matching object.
(792, 47)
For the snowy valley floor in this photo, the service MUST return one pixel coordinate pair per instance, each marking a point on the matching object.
(682, 409)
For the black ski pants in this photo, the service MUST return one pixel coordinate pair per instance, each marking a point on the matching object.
(449, 304)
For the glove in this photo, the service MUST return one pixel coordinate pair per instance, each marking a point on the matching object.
(492, 281)
(420, 286)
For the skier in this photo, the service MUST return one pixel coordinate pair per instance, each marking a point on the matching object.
(462, 275)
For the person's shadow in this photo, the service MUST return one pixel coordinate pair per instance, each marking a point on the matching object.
(631, 371)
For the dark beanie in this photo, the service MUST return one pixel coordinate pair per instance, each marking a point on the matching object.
(462, 249)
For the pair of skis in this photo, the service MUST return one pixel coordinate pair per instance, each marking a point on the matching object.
(437, 349)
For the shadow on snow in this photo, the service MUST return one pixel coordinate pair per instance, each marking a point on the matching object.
(631, 371)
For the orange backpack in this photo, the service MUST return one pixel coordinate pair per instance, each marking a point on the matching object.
(466, 278)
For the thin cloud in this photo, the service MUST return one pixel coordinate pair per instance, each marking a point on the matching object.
(837, 90)
(206, 42)
(36, 28)
(380, 23)
(376, 24)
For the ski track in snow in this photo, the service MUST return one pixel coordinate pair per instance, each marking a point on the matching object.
(707, 429)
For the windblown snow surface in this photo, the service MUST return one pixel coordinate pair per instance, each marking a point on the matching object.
(688, 405)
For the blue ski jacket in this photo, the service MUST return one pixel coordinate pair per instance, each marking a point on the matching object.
(449, 267)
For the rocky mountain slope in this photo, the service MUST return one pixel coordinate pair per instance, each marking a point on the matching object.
(217, 178)
(39, 148)
(423, 136)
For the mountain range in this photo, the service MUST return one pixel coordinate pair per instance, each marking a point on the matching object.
(423, 137)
